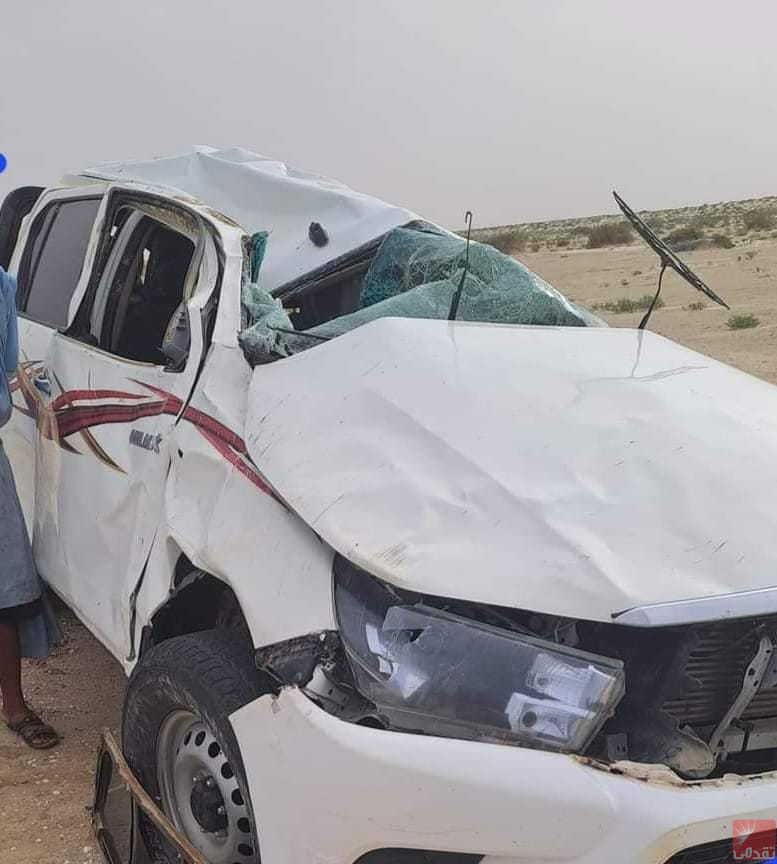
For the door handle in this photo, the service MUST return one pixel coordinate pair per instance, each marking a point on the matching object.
(42, 383)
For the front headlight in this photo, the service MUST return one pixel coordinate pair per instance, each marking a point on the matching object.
(432, 671)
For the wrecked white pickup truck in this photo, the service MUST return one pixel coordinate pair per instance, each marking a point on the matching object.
(390, 587)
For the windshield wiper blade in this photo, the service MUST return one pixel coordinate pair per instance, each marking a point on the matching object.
(668, 257)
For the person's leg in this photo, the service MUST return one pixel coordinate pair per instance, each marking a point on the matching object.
(14, 707)
(16, 713)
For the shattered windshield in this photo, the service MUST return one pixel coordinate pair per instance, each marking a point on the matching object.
(413, 274)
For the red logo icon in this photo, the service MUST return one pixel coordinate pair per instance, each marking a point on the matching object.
(755, 840)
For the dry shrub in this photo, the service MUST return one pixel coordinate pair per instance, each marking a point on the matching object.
(742, 322)
(758, 219)
(609, 234)
(629, 304)
(506, 240)
(683, 234)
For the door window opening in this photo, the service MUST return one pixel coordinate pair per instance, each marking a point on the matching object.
(53, 260)
(147, 287)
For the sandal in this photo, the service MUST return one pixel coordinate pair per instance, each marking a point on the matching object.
(35, 733)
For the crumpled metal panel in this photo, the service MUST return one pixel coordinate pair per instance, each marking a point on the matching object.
(576, 471)
(263, 194)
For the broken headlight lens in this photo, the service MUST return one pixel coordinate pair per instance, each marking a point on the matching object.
(431, 671)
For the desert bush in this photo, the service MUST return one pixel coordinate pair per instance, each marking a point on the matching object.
(636, 272)
(581, 230)
(507, 240)
(562, 242)
(609, 234)
(535, 247)
(683, 234)
(704, 220)
(657, 224)
(687, 245)
(696, 307)
(629, 304)
(624, 283)
(758, 219)
(750, 254)
(722, 241)
(742, 322)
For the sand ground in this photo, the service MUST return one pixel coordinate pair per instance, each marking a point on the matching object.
(45, 795)
(747, 281)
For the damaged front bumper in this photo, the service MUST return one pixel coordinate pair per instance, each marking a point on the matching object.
(327, 790)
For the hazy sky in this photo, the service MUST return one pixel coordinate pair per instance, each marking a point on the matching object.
(517, 109)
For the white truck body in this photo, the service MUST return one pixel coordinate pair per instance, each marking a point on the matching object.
(605, 476)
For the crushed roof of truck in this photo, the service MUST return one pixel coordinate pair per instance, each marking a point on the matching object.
(304, 224)
(263, 194)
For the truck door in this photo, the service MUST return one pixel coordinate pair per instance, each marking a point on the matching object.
(47, 261)
(114, 399)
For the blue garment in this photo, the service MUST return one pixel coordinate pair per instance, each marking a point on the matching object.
(9, 342)
(19, 582)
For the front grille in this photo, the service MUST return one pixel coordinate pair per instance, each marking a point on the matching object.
(719, 852)
(716, 667)
(764, 704)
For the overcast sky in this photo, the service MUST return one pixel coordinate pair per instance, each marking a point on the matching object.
(517, 109)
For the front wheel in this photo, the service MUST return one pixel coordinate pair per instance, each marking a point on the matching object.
(178, 740)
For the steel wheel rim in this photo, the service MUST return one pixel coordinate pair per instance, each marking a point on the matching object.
(199, 791)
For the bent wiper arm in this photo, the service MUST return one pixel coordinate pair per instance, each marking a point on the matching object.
(457, 294)
(665, 253)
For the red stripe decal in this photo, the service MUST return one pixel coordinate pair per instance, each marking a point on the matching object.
(243, 467)
(70, 420)
(62, 418)
(70, 396)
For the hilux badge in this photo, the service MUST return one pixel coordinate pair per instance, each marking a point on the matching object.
(145, 440)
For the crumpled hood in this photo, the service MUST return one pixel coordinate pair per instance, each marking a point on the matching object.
(572, 471)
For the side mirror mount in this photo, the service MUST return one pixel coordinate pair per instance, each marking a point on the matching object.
(177, 339)
(16, 205)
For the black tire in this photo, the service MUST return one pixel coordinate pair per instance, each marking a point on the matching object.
(210, 674)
